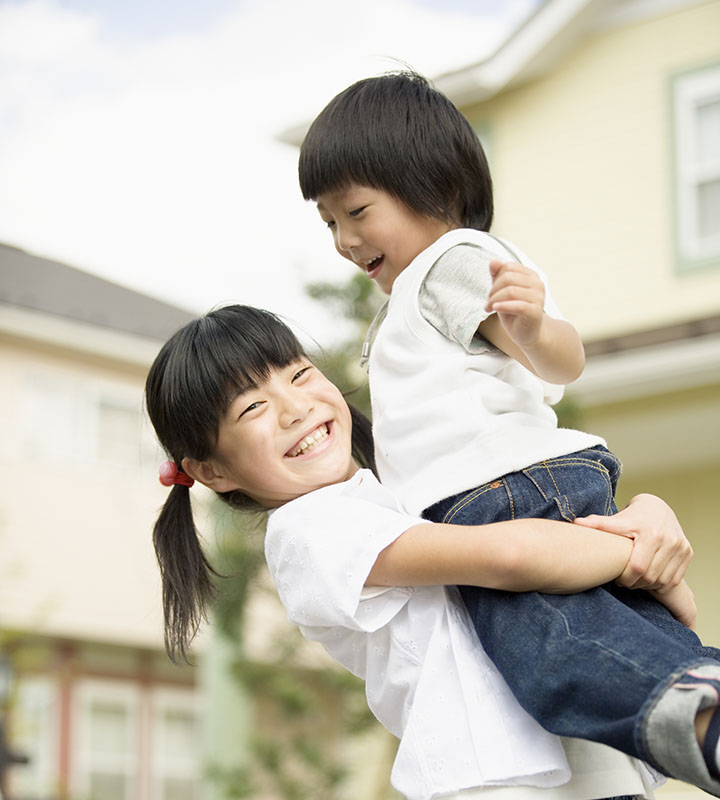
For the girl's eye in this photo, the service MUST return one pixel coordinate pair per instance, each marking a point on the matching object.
(356, 211)
(300, 373)
(251, 407)
(330, 223)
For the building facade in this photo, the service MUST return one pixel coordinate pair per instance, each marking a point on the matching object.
(97, 707)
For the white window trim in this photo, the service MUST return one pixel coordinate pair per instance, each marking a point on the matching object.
(37, 778)
(164, 765)
(690, 91)
(125, 694)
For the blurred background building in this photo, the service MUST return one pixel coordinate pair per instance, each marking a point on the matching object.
(96, 706)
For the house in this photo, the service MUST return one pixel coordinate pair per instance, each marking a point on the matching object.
(97, 707)
(601, 120)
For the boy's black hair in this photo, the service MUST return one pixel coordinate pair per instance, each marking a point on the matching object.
(397, 133)
(189, 388)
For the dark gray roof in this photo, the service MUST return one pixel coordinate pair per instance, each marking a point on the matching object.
(28, 281)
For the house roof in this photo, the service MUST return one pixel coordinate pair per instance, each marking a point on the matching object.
(548, 35)
(50, 287)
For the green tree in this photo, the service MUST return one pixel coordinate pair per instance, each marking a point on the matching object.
(356, 301)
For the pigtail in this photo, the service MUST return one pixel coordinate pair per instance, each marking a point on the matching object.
(187, 577)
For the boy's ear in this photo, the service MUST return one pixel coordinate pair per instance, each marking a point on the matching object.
(205, 472)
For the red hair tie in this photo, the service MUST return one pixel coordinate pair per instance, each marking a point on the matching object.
(171, 475)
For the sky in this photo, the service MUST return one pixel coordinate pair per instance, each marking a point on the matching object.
(139, 139)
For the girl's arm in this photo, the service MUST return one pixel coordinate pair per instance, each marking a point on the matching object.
(549, 347)
(528, 555)
(518, 555)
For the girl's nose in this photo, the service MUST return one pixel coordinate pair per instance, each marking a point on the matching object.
(294, 409)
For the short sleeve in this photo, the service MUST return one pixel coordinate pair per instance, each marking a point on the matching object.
(320, 549)
(454, 293)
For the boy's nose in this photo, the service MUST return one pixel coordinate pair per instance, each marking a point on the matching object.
(346, 239)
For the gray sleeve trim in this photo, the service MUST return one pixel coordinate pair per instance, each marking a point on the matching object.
(453, 295)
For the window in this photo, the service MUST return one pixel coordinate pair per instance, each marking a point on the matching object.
(176, 764)
(129, 740)
(107, 752)
(697, 154)
(35, 735)
(85, 421)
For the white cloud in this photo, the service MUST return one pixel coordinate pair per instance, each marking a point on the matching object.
(153, 162)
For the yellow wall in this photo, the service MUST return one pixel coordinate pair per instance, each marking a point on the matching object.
(583, 168)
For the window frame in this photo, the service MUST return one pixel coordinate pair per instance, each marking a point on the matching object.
(691, 90)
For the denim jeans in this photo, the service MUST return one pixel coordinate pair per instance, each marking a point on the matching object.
(589, 665)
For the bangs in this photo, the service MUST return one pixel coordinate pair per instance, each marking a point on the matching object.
(205, 365)
(238, 348)
(334, 163)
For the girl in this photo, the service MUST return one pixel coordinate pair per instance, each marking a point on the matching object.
(238, 406)
(463, 372)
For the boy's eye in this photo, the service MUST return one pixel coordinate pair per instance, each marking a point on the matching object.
(356, 211)
(300, 373)
(330, 223)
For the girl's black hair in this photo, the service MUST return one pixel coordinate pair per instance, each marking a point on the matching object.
(191, 383)
(397, 133)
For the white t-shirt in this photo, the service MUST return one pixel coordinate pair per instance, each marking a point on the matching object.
(427, 678)
(444, 419)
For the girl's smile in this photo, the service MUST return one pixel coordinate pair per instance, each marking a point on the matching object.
(376, 231)
(311, 443)
(284, 438)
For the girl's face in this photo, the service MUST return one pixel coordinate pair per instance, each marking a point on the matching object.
(377, 232)
(288, 437)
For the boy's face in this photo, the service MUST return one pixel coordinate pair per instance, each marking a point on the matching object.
(377, 232)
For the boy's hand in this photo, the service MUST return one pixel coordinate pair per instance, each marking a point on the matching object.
(661, 553)
(517, 296)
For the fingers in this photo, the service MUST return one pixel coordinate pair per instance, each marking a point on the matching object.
(661, 553)
(655, 563)
(514, 288)
(615, 524)
(680, 601)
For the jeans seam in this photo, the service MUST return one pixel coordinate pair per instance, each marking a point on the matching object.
(457, 507)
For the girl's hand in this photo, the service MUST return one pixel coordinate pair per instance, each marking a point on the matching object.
(661, 552)
(517, 296)
(680, 601)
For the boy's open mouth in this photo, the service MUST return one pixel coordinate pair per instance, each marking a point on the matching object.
(308, 442)
(373, 265)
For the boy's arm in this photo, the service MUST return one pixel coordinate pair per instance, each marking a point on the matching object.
(549, 347)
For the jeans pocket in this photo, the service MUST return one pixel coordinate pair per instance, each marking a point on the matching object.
(578, 484)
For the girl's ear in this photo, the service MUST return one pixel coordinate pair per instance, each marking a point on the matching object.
(205, 472)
